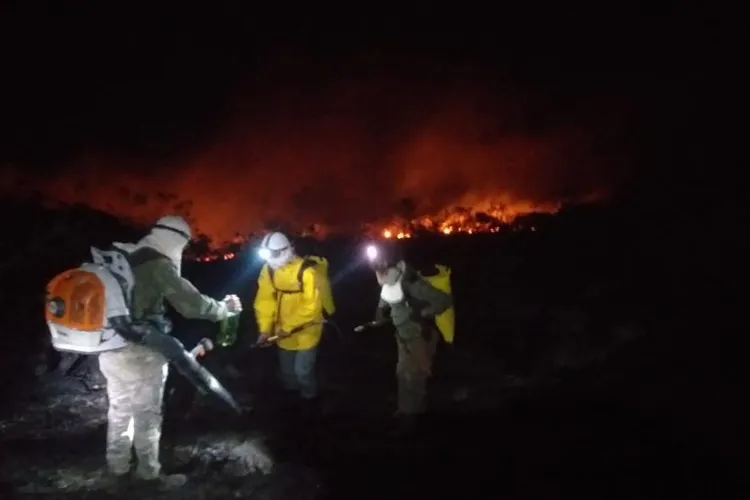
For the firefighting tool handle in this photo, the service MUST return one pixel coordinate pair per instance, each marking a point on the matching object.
(276, 337)
(372, 324)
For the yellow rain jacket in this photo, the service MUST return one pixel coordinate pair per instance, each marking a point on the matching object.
(292, 296)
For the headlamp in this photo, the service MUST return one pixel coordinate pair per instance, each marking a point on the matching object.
(268, 253)
(372, 252)
(264, 253)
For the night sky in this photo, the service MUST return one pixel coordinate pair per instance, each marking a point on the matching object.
(237, 116)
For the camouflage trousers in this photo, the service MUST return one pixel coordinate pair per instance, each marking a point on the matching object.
(135, 388)
(413, 370)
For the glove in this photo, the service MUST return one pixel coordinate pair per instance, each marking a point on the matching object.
(263, 340)
(233, 304)
(198, 351)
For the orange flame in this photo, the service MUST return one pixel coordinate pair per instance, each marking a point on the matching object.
(484, 218)
(487, 217)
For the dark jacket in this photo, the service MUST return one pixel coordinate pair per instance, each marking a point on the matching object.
(415, 314)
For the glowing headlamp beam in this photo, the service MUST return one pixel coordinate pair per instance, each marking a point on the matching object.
(372, 252)
(264, 253)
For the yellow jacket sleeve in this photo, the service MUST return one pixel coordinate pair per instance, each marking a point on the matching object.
(265, 302)
(310, 305)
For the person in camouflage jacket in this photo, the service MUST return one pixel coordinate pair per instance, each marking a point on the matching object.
(412, 304)
(136, 374)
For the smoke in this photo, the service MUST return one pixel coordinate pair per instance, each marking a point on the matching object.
(349, 148)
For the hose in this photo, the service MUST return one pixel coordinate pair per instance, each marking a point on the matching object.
(147, 334)
(372, 324)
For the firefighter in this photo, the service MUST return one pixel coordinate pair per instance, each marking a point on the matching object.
(412, 304)
(293, 294)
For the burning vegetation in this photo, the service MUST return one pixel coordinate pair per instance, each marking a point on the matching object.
(460, 220)
(491, 218)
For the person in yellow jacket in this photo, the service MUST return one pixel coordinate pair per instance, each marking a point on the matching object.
(289, 303)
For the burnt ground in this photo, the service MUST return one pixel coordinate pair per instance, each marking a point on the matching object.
(580, 370)
(606, 429)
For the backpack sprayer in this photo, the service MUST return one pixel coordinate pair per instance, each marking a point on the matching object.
(88, 312)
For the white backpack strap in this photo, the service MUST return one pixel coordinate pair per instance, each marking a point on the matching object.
(116, 262)
(97, 256)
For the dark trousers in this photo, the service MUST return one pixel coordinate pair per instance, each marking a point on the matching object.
(413, 370)
(298, 371)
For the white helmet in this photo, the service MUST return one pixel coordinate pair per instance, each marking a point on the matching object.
(174, 224)
(276, 250)
(171, 235)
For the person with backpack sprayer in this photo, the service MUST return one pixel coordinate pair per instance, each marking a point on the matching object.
(413, 303)
(114, 307)
(293, 296)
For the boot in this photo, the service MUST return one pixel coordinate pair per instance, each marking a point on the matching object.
(112, 482)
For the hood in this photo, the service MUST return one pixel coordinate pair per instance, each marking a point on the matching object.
(167, 243)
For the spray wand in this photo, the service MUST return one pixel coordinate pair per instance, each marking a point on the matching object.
(372, 324)
(276, 337)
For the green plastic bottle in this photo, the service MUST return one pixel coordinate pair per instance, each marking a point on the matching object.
(228, 330)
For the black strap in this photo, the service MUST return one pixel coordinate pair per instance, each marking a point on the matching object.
(306, 264)
(174, 230)
(279, 293)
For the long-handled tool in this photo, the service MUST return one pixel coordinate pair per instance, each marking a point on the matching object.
(372, 324)
(276, 337)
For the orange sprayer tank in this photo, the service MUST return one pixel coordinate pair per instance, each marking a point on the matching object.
(82, 302)
(75, 299)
